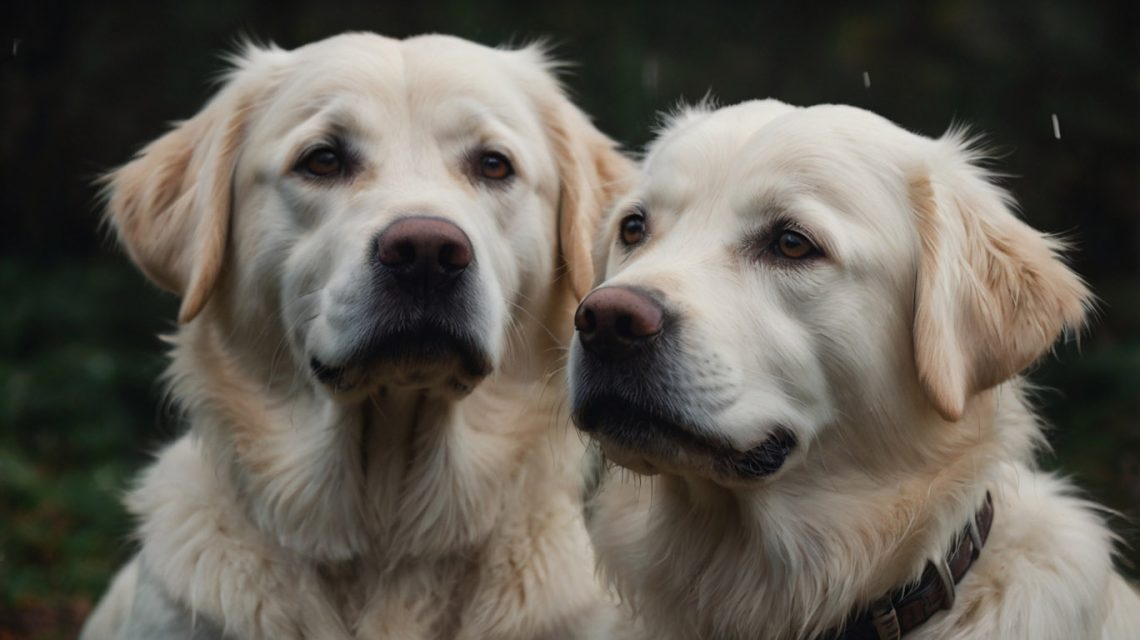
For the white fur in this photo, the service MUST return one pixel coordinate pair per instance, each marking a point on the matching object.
(902, 425)
(405, 506)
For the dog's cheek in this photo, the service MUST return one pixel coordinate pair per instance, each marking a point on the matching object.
(861, 342)
(314, 269)
(537, 247)
(491, 317)
(525, 254)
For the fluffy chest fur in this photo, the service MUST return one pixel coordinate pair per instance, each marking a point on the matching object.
(402, 519)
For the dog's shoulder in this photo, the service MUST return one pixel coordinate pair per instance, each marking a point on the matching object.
(1046, 570)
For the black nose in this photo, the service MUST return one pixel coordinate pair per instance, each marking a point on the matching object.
(423, 254)
(612, 321)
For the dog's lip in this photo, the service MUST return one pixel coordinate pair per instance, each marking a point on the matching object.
(418, 347)
(725, 460)
(325, 373)
(594, 414)
(762, 460)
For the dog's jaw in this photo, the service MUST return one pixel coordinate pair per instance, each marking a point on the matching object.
(644, 432)
(777, 551)
(450, 378)
(657, 452)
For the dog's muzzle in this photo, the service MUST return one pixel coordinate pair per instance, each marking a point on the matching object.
(417, 324)
(626, 392)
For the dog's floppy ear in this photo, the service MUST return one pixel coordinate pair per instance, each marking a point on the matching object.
(592, 173)
(170, 205)
(992, 293)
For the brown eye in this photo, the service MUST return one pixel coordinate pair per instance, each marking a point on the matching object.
(322, 163)
(495, 166)
(632, 229)
(794, 245)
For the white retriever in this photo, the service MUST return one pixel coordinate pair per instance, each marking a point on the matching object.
(809, 342)
(378, 245)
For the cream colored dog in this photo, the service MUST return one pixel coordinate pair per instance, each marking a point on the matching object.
(378, 245)
(809, 338)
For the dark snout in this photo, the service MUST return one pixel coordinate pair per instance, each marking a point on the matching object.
(614, 322)
(638, 390)
(423, 255)
(628, 361)
(417, 320)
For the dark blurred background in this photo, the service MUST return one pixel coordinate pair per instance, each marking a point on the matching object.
(84, 84)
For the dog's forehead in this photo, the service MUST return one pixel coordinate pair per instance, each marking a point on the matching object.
(436, 79)
(828, 145)
(693, 159)
(699, 142)
(760, 137)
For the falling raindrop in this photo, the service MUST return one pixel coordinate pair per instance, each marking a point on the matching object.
(650, 74)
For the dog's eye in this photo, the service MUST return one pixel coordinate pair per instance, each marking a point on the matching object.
(323, 162)
(795, 246)
(632, 229)
(495, 166)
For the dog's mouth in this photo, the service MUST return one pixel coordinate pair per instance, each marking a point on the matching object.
(427, 357)
(648, 441)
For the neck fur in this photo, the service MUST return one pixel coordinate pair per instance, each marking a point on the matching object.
(400, 475)
(793, 558)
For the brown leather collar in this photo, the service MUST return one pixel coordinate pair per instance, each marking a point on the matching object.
(906, 608)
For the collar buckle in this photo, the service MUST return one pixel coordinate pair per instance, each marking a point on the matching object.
(885, 619)
(911, 605)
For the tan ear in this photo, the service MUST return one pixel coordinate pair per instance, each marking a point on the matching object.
(170, 206)
(992, 293)
(593, 173)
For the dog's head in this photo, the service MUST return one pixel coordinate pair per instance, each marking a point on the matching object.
(386, 209)
(780, 271)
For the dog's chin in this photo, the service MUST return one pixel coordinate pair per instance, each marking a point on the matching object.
(632, 459)
(650, 443)
(425, 360)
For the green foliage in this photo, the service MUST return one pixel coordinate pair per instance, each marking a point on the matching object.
(78, 370)
(1090, 399)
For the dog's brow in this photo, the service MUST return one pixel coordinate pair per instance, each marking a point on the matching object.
(323, 121)
(773, 212)
(468, 117)
(329, 111)
(339, 120)
(468, 125)
(769, 210)
(328, 120)
(765, 208)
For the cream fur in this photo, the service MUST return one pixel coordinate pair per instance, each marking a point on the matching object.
(405, 507)
(893, 360)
